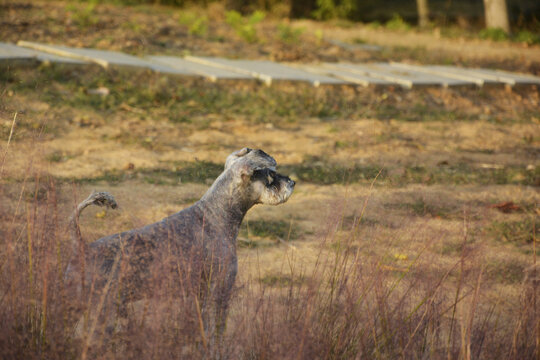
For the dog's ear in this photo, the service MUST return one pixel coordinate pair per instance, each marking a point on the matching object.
(246, 170)
(235, 155)
(242, 152)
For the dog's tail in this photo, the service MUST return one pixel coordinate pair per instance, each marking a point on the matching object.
(95, 198)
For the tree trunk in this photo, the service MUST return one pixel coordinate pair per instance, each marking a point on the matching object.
(496, 14)
(423, 12)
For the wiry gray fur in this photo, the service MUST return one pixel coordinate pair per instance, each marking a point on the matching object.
(196, 245)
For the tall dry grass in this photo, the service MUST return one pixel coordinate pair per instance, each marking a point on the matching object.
(342, 304)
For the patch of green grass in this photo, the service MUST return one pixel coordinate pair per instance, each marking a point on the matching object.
(339, 144)
(463, 173)
(132, 26)
(518, 232)
(184, 102)
(420, 207)
(39, 192)
(358, 40)
(255, 243)
(455, 247)
(110, 177)
(145, 92)
(397, 23)
(509, 271)
(83, 17)
(289, 34)
(188, 172)
(318, 172)
(405, 52)
(197, 24)
(527, 37)
(419, 112)
(281, 280)
(343, 246)
(350, 221)
(529, 250)
(479, 151)
(319, 36)
(245, 27)
(494, 34)
(337, 10)
(185, 172)
(56, 157)
(454, 32)
(374, 25)
(271, 229)
(265, 233)
(188, 200)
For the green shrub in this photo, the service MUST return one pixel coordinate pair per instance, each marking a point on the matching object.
(525, 36)
(245, 26)
(319, 36)
(330, 9)
(178, 3)
(397, 23)
(85, 17)
(374, 25)
(197, 24)
(494, 34)
(288, 34)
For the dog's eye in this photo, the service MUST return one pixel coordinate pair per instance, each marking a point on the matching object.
(270, 175)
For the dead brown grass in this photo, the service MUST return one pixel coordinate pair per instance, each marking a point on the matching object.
(424, 270)
(428, 269)
(357, 289)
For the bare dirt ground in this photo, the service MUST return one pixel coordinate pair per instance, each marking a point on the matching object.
(451, 160)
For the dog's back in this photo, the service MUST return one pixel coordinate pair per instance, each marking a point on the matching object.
(138, 261)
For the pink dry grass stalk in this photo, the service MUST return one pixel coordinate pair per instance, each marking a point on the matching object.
(7, 144)
(349, 302)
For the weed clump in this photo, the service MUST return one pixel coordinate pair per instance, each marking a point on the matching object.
(494, 34)
(245, 27)
(397, 23)
(527, 37)
(519, 232)
(197, 23)
(289, 34)
(83, 17)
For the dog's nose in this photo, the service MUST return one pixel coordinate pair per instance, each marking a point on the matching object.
(292, 182)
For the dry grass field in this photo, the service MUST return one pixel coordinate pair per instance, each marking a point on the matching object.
(411, 232)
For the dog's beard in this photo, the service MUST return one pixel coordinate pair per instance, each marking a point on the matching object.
(286, 194)
(273, 195)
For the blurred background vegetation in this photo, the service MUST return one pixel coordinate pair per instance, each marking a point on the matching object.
(467, 13)
(497, 20)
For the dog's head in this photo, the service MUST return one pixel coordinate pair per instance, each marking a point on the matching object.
(255, 172)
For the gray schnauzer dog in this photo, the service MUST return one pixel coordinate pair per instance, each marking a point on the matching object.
(196, 246)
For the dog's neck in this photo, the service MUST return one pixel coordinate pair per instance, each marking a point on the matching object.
(224, 203)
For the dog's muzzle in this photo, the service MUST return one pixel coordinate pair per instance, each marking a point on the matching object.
(290, 182)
